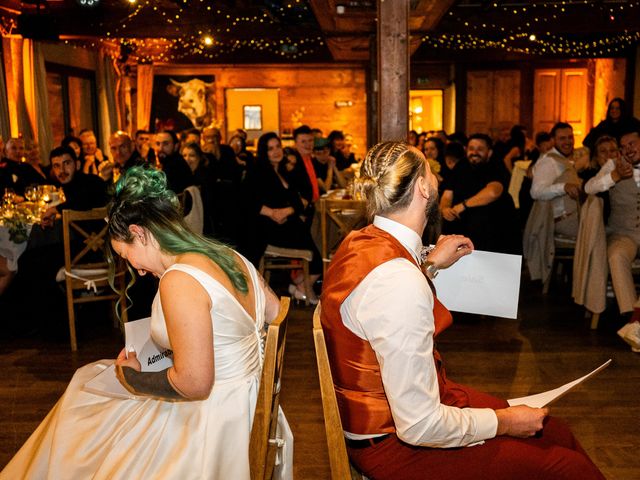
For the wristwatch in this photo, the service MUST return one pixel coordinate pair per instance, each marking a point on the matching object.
(431, 269)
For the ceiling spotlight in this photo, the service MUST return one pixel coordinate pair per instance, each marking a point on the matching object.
(132, 2)
(207, 40)
(532, 37)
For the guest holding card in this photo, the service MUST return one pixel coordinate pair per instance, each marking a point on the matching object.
(402, 417)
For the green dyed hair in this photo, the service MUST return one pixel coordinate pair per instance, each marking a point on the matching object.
(142, 198)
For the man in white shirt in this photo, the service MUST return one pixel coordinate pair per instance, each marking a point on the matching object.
(621, 178)
(403, 419)
(555, 180)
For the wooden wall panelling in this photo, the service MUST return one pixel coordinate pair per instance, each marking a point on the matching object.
(307, 94)
(573, 101)
(493, 100)
(479, 101)
(546, 95)
(506, 97)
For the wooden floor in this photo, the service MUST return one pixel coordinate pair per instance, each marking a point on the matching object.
(549, 345)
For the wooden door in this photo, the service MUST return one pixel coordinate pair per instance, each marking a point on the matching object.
(493, 100)
(560, 95)
(479, 101)
(573, 101)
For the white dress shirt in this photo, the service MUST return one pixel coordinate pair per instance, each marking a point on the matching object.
(603, 181)
(392, 309)
(543, 185)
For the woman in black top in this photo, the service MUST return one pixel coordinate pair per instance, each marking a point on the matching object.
(618, 120)
(275, 206)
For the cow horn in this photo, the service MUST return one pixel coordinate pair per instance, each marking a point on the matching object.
(177, 84)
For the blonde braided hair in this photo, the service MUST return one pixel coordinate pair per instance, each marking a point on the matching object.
(388, 175)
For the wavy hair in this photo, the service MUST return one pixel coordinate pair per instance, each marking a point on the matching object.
(142, 198)
(388, 175)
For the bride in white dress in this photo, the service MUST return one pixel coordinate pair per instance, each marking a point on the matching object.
(195, 418)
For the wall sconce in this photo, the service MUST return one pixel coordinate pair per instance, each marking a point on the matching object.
(343, 103)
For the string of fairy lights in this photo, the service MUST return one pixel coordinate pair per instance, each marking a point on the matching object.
(514, 27)
(217, 34)
(467, 34)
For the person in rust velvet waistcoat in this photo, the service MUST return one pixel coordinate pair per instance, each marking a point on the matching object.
(402, 417)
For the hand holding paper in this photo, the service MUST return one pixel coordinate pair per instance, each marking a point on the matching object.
(485, 283)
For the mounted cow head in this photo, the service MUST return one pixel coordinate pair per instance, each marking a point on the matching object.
(193, 99)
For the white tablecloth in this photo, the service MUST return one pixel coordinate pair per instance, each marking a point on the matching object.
(11, 251)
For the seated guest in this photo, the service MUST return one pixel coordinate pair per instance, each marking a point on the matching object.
(244, 158)
(12, 171)
(619, 119)
(433, 150)
(92, 156)
(124, 154)
(555, 180)
(226, 174)
(402, 417)
(344, 158)
(621, 178)
(308, 181)
(44, 255)
(543, 145)
(81, 191)
(191, 135)
(522, 147)
(476, 202)
(178, 173)
(325, 166)
(75, 143)
(453, 154)
(274, 206)
(193, 419)
(144, 151)
(202, 178)
(33, 170)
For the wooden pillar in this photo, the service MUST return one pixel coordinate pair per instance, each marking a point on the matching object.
(393, 69)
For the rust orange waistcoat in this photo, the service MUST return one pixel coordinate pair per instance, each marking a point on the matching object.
(361, 398)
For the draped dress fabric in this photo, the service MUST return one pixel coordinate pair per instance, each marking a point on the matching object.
(92, 436)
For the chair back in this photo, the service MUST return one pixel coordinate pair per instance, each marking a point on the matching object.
(195, 218)
(337, 218)
(264, 442)
(338, 459)
(85, 268)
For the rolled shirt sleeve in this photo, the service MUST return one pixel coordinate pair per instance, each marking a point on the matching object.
(393, 310)
(602, 182)
(545, 173)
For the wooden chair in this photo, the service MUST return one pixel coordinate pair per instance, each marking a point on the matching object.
(345, 215)
(564, 252)
(85, 268)
(264, 442)
(278, 258)
(341, 469)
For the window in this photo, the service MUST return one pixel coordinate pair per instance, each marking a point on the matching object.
(252, 117)
(72, 100)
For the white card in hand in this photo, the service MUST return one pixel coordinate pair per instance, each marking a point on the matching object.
(485, 283)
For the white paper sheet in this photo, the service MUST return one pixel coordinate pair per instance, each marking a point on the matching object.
(540, 400)
(485, 283)
(152, 358)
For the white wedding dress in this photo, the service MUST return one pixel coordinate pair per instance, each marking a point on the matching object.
(91, 436)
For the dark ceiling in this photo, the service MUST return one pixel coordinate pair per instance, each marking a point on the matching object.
(267, 31)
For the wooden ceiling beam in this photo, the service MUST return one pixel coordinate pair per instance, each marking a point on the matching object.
(428, 14)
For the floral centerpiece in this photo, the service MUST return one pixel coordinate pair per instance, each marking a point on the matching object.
(17, 218)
